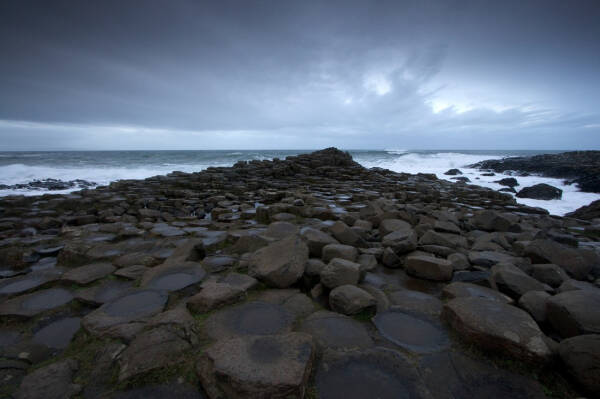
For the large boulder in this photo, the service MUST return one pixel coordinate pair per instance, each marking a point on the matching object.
(386, 226)
(581, 355)
(281, 263)
(349, 299)
(540, 191)
(428, 267)
(273, 366)
(402, 240)
(340, 272)
(497, 327)
(512, 281)
(347, 252)
(576, 262)
(575, 312)
(489, 220)
(345, 235)
(316, 240)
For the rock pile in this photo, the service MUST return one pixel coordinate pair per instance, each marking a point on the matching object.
(305, 277)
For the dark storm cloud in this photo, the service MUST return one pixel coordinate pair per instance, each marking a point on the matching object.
(233, 74)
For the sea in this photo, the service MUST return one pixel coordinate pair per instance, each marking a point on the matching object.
(103, 167)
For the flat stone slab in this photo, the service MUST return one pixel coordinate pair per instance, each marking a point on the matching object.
(498, 327)
(251, 318)
(107, 291)
(53, 381)
(411, 332)
(19, 285)
(132, 272)
(452, 375)
(242, 281)
(134, 306)
(416, 301)
(88, 273)
(165, 230)
(37, 302)
(173, 277)
(373, 373)
(152, 349)
(59, 333)
(463, 290)
(218, 263)
(275, 366)
(336, 331)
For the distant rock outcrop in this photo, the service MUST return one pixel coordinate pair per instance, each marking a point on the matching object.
(580, 167)
(540, 191)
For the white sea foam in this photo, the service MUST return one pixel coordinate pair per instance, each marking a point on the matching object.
(438, 163)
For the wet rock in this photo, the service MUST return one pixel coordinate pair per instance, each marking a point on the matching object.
(100, 294)
(497, 327)
(428, 267)
(347, 252)
(534, 302)
(152, 349)
(453, 172)
(416, 302)
(401, 240)
(280, 264)
(573, 261)
(281, 230)
(411, 332)
(490, 258)
(132, 272)
(540, 191)
(512, 281)
(88, 273)
(241, 281)
(345, 235)
(214, 295)
(388, 226)
(390, 259)
(349, 299)
(573, 285)
(335, 331)
(165, 230)
(218, 263)
(508, 181)
(465, 377)
(581, 355)
(173, 277)
(22, 284)
(466, 290)
(572, 313)
(489, 220)
(37, 302)
(59, 333)
(316, 240)
(340, 272)
(51, 382)
(459, 261)
(135, 306)
(251, 318)
(432, 237)
(275, 366)
(374, 373)
(550, 274)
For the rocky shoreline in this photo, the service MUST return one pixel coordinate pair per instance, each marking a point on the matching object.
(306, 277)
(576, 167)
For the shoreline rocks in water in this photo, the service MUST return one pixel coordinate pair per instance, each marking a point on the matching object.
(305, 277)
(50, 185)
(579, 167)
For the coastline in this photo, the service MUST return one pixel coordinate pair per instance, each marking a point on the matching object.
(173, 273)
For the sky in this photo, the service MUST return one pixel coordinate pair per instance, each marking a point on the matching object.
(414, 74)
